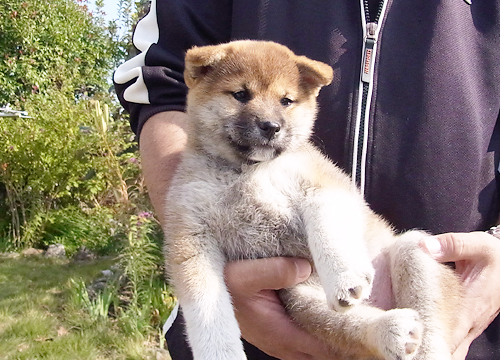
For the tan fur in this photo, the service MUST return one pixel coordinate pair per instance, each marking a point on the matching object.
(251, 185)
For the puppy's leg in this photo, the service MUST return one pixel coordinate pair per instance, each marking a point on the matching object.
(211, 326)
(364, 332)
(334, 225)
(430, 288)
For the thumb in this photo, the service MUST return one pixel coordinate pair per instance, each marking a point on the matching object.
(452, 247)
(252, 276)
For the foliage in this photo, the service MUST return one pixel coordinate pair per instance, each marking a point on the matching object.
(99, 307)
(56, 60)
(141, 261)
(56, 159)
(53, 44)
(140, 297)
(74, 228)
(139, 258)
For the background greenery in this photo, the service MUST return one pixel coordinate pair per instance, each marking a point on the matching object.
(76, 151)
(70, 172)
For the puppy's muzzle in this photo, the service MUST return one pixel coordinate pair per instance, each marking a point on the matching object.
(268, 129)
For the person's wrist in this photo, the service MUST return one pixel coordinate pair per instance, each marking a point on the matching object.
(495, 231)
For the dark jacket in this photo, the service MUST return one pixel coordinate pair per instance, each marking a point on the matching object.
(427, 152)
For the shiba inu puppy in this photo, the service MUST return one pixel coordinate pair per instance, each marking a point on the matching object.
(251, 185)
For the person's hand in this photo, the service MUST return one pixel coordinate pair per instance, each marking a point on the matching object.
(477, 259)
(260, 313)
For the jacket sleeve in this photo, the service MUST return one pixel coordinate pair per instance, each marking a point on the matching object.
(153, 81)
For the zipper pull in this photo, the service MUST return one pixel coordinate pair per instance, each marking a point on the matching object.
(368, 60)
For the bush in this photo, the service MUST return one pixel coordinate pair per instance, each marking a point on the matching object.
(53, 44)
(74, 228)
(60, 157)
(55, 62)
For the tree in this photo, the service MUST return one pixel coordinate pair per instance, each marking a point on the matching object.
(52, 44)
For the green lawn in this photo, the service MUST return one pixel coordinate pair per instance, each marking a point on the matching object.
(40, 320)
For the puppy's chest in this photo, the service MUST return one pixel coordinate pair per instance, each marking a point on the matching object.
(256, 216)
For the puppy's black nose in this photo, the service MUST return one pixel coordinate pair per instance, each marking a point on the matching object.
(269, 128)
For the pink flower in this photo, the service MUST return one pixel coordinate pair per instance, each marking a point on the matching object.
(145, 214)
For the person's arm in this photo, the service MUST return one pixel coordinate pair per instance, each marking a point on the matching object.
(152, 81)
(477, 259)
(162, 140)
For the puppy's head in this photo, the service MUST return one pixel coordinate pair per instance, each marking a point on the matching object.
(250, 101)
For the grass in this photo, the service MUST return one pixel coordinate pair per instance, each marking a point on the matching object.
(40, 319)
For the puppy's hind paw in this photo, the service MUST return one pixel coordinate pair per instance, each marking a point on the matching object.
(399, 334)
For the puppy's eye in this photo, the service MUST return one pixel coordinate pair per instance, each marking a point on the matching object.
(286, 101)
(242, 96)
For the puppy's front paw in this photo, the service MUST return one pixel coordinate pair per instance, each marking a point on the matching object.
(398, 334)
(350, 288)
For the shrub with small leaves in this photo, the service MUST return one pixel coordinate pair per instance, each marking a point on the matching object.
(53, 44)
(57, 158)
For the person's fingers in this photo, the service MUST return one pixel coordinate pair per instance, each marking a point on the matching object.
(261, 315)
(282, 338)
(466, 330)
(477, 262)
(452, 247)
(462, 350)
(250, 276)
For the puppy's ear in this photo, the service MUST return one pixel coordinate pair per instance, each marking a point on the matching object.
(313, 74)
(200, 60)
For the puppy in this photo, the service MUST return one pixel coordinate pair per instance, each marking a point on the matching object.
(251, 185)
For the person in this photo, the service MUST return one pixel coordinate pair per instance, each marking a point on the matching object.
(412, 114)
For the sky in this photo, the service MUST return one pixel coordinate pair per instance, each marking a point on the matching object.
(110, 8)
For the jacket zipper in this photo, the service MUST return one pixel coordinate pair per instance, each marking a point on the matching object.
(371, 31)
